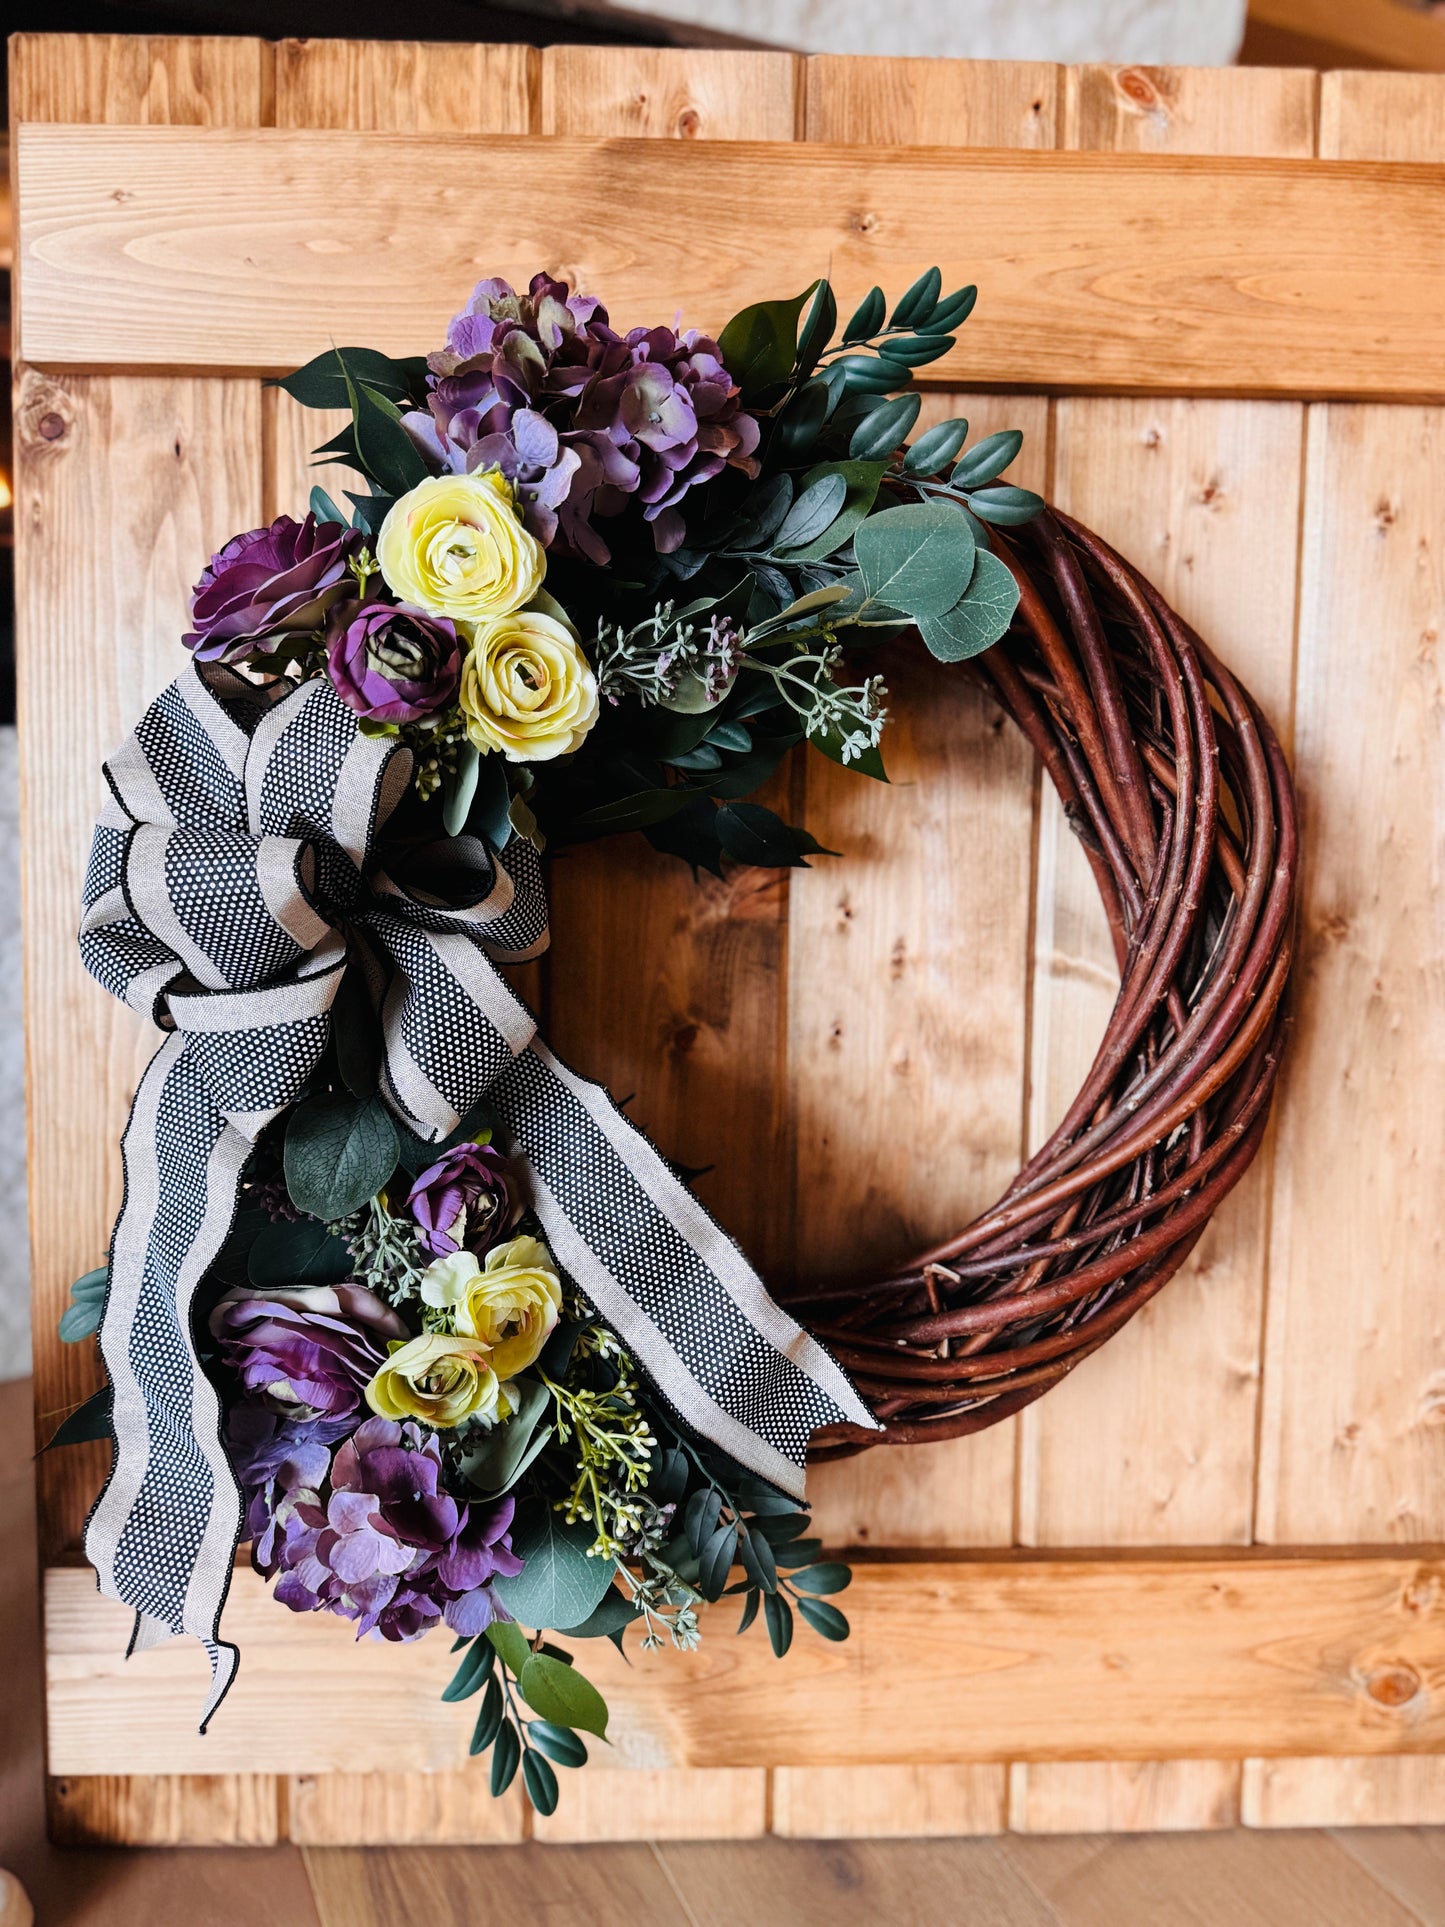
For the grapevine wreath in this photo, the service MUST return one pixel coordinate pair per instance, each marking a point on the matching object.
(397, 1296)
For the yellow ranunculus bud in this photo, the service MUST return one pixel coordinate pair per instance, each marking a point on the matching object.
(512, 1304)
(527, 689)
(455, 546)
(438, 1379)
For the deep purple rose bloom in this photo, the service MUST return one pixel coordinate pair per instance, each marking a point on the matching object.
(583, 421)
(306, 1352)
(270, 583)
(391, 663)
(463, 1202)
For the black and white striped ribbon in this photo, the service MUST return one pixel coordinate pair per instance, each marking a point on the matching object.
(241, 865)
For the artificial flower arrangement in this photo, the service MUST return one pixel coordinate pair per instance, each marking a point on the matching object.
(600, 581)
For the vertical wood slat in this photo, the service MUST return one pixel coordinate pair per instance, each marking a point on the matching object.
(700, 1037)
(1153, 1442)
(123, 485)
(883, 1802)
(907, 954)
(397, 87)
(1353, 1443)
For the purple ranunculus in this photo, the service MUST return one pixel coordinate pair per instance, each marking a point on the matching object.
(391, 663)
(581, 419)
(270, 583)
(306, 1352)
(463, 1202)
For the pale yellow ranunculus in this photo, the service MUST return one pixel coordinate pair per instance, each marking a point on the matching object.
(527, 689)
(512, 1304)
(455, 546)
(438, 1379)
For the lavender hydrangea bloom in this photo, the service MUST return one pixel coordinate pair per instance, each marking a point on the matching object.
(306, 1351)
(463, 1202)
(581, 419)
(387, 1546)
(393, 664)
(269, 583)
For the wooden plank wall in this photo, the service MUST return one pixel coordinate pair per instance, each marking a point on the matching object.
(798, 1032)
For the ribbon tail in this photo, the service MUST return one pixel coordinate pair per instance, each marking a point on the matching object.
(667, 1278)
(162, 1535)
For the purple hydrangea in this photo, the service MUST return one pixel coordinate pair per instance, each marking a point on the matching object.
(581, 419)
(306, 1351)
(270, 583)
(391, 663)
(384, 1545)
(463, 1202)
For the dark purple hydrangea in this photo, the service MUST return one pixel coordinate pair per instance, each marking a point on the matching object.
(306, 1351)
(391, 663)
(463, 1202)
(581, 419)
(385, 1545)
(270, 583)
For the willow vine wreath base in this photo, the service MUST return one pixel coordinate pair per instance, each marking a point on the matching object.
(1177, 787)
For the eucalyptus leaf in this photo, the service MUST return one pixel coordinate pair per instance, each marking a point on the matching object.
(88, 1421)
(540, 1782)
(731, 736)
(560, 1694)
(489, 1719)
(459, 788)
(799, 425)
(339, 1152)
(559, 1584)
(862, 481)
(700, 1520)
(763, 515)
(303, 1253)
(915, 309)
(954, 309)
(716, 1559)
(612, 1614)
(824, 1619)
(323, 508)
(867, 317)
(883, 428)
(490, 816)
(1008, 507)
(510, 1644)
(917, 558)
(506, 1753)
(936, 448)
(504, 1454)
(759, 345)
(81, 1316)
(752, 834)
(874, 374)
(987, 458)
(757, 1557)
(818, 328)
(832, 1576)
(633, 812)
(779, 1616)
(978, 621)
(559, 1743)
(750, 1609)
(815, 509)
(473, 1673)
(916, 350)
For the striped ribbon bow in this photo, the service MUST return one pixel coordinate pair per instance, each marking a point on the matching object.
(238, 870)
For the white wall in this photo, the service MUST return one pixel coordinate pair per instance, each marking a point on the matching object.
(1197, 33)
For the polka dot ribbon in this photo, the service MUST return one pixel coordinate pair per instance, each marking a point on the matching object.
(249, 854)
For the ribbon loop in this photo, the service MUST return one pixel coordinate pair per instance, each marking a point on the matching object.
(239, 869)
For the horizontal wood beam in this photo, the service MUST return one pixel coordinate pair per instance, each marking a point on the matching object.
(250, 250)
(1094, 1657)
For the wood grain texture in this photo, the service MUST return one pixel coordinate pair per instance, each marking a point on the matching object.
(908, 953)
(657, 1803)
(165, 1810)
(406, 86)
(1352, 1440)
(931, 103)
(1044, 1659)
(1382, 31)
(668, 93)
(1123, 1796)
(1402, 1792)
(1138, 272)
(882, 1802)
(121, 487)
(448, 1808)
(607, 1886)
(1154, 1441)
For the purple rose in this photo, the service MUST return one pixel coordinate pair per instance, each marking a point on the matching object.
(391, 663)
(306, 1352)
(463, 1202)
(270, 583)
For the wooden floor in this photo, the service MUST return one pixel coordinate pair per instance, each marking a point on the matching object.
(1366, 1878)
